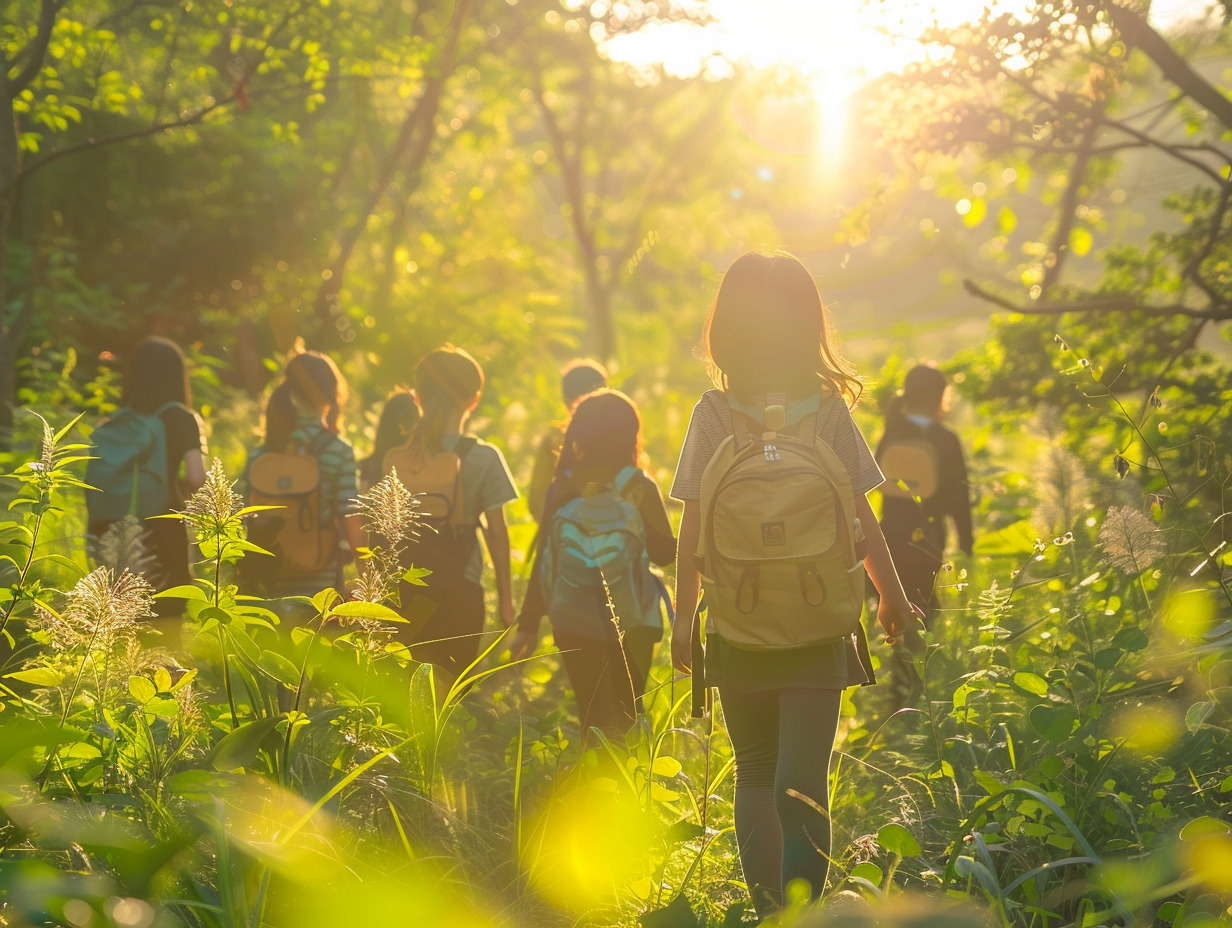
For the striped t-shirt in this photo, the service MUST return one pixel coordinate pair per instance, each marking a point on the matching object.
(711, 423)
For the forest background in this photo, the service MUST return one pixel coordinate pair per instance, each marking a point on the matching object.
(1038, 199)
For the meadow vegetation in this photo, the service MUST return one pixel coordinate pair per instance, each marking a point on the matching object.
(378, 178)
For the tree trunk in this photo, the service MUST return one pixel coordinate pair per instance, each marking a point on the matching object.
(599, 303)
(409, 153)
(8, 192)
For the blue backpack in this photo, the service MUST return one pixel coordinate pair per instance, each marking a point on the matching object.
(597, 540)
(129, 467)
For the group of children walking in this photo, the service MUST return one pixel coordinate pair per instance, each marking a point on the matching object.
(777, 530)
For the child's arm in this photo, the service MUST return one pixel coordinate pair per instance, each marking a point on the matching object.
(688, 586)
(660, 542)
(353, 532)
(895, 612)
(496, 535)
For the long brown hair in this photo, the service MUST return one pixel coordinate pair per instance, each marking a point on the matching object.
(314, 380)
(768, 331)
(604, 436)
(156, 375)
(448, 382)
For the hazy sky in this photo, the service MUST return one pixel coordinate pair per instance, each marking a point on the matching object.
(836, 37)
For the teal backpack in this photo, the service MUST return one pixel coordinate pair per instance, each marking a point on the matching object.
(129, 467)
(595, 539)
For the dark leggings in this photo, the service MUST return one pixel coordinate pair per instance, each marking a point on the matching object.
(608, 683)
(782, 740)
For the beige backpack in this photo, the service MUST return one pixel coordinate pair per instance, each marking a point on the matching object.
(444, 546)
(303, 542)
(778, 545)
(911, 461)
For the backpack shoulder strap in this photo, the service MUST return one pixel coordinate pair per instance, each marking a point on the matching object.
(172, 405)
(621, 481)
(320, 442)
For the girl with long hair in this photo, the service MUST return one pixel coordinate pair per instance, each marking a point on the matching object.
(398, 419)
(607, 668)
(768, 333)
(446, 616)
(156, 382)
(303, 416)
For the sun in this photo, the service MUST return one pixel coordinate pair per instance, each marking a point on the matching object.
(838, 46)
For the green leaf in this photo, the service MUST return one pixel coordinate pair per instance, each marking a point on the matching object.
(898, 840)
(1053, 723)
(1131, 639)
(38, 676)
(1031, 683)
(1107, 658)
(1051, 766)
(162, 679)
(684, 830)
(249, 510)
(355, 609)
(324, 599)
(665, 766)
(213, 612)
(279, 668)
(163, 706)
(239, 748)
(141, 689)
(1197, 714)
(416, 576)
(1015, 540)
(186, 591)
(1203, 826)
(867, 871)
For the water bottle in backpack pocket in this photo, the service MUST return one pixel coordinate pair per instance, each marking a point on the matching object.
(596, 564)
(129, 468)
(778, 552)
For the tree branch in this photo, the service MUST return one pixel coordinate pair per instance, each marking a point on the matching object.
(1170, 150)
(36, 51)
(413, 145)
(1099, 304)
(1066, 213)
(1136, 31)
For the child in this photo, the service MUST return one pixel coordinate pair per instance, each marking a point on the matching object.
(315, 533)
(767, 333)
(916, 532)
(608, 672)
(156, 382)
(466, 484)
(928, 458)
(397, 421)
(577, 378)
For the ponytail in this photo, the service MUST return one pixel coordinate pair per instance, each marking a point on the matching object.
(429, 431)
(448, 382)
(280, 418)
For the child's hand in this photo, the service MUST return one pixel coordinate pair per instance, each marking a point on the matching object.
(903, 620)
(682, 646)
(507, 613)
(523, 645)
